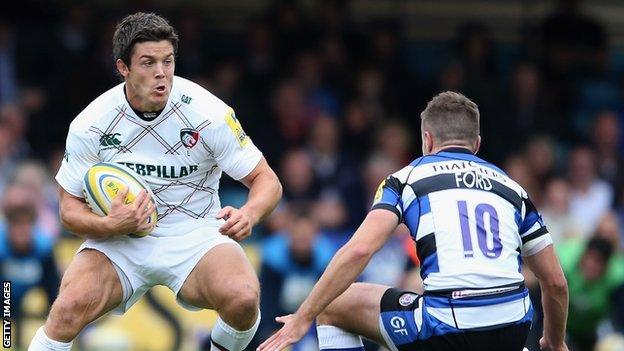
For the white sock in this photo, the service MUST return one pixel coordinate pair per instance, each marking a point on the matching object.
(334, 338)
(41, 342)
(224, 336)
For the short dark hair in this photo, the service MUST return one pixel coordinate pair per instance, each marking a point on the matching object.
(138, 28)
(21, 212)
(451, 116)
(601, 246)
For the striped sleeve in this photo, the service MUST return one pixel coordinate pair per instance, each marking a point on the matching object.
(388, 196)
(533, 231)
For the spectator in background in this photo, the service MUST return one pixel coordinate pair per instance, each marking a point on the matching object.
(370, 88)
(518, 169)
(8, 64)
(13, 146)
(190, 28)
(290, 30)
(260, 59)
(386, 54)
(591, 196)
(33, 176)
(292, 262)
(297, 177)
(359, 130)
(14, 118)
(571, 46)
(541, 158)
(309, 73)
(334, 58)
(75, 36)
(334, 168)
(394, 141)
(476, 53)
(562, 225)
(26, 257)
(572, 42)
(290, 119)
(608, 228)
(606, 141)
(594, 272)
(526, 112)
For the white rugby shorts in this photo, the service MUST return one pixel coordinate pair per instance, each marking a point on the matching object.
(142, 263)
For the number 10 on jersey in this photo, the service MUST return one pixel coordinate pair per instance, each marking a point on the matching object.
(482, 233)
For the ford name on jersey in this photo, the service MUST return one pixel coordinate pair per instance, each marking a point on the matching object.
(161, 171)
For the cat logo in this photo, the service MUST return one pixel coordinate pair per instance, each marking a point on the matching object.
(189, 137)
(186, 99)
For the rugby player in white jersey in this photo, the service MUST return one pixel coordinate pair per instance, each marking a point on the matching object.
(472, 225)
(179, 138)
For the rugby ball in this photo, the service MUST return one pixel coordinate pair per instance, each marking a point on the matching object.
(104, 180)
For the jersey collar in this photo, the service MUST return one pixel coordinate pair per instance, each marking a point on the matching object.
(460, 150)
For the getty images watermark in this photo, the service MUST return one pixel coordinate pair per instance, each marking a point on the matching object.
(6, 314)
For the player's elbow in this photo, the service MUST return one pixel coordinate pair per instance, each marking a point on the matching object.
(65, 218)
(360, 252)
(279, 190)
(66, 221)
(555, 285)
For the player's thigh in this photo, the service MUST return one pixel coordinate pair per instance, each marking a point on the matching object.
(357, 310)
(90, 285)
(223, 276)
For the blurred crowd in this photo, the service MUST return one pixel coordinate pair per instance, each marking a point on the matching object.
(334, 105)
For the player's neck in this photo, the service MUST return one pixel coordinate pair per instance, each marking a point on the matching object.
(440, 148)
(141, 108)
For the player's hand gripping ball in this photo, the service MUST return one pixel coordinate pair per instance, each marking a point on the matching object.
(102, 183)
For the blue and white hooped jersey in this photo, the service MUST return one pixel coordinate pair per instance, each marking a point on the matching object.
(471, 222)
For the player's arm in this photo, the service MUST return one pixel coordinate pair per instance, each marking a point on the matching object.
(547, 269)
(265, 192)
(347, 264)
(122, 219)
(350, 261)
(538, 253)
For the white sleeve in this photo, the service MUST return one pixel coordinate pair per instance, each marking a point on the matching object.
(80, 155)
(233, 150)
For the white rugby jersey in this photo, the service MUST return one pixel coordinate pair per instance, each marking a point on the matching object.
(471, 222)
(180, 153)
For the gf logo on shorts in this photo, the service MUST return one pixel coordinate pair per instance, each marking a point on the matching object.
(407, 299)
(398, 324)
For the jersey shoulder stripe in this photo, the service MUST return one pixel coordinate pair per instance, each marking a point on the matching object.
(466, 180)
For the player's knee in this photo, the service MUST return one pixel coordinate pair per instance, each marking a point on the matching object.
(327, 317)
(243, 308)
(69, 314)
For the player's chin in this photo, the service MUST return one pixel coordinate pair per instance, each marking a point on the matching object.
(160, 99)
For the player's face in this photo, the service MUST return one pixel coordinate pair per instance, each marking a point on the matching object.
(149, 77)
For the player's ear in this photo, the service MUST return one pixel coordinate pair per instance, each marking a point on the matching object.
(427, 142)
(477, 144)
(122, 68)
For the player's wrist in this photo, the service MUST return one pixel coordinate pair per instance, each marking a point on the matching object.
(254, 218)
(549, 345)
(109, 227)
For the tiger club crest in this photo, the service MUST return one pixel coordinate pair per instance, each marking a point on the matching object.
(189, 137)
